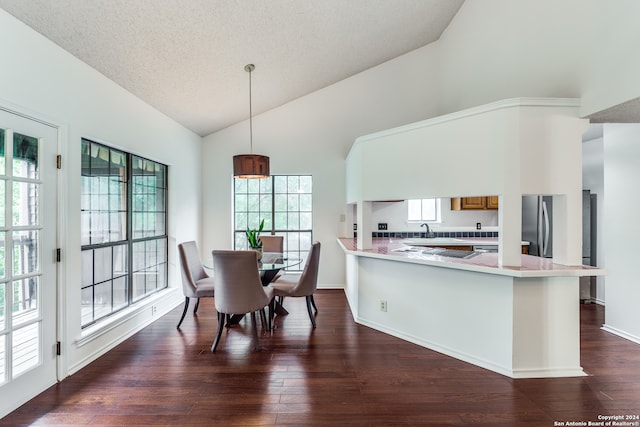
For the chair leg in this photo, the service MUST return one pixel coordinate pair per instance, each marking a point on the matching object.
(263, 320)
(195, 309)
(313, 303)
(272, 313)
(254, 328)
(184, 312)
(311, 316)
(221, 317)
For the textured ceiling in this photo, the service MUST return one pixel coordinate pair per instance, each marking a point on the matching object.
(186, 57)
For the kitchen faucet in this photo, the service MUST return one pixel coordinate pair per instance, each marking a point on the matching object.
(428, 233)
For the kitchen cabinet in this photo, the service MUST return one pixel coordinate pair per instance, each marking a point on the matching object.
(474, 203)
(492, 202)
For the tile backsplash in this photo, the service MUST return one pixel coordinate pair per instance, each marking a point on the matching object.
(456, 234)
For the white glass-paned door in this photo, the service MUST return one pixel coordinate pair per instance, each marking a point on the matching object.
(28, 194)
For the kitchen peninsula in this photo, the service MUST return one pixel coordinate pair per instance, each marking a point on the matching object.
(511, 313)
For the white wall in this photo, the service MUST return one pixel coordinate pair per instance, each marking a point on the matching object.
(312, 135)
(39, 78)
(621, 230)
(593, 179)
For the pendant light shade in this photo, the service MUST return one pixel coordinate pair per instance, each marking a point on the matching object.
(250, 165)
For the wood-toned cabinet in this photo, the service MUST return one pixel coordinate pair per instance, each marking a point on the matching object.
(492, 202)
(474, 203)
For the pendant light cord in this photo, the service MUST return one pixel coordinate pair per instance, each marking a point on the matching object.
(249, 68)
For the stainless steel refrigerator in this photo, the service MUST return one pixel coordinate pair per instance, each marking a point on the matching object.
(537, 224)
(537, 229)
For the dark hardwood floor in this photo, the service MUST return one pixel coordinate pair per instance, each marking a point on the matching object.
(338, 374)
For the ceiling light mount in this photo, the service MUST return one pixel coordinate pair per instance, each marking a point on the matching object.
(250, 165)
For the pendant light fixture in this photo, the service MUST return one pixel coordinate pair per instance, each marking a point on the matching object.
(250, 165)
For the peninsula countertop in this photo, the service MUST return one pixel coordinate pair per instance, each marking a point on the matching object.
(395, 249)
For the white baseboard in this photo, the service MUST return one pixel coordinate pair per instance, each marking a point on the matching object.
(621, 333)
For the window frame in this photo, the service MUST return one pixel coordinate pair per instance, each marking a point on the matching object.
(128, 242)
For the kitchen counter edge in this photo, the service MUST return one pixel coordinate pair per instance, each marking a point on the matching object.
(482, 263)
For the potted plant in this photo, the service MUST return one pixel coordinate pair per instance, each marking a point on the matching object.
(253, 237)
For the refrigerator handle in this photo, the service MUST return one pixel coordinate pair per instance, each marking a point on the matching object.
(545, 215)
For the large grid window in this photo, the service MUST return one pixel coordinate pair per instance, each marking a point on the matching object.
(123, 229)
(285, 204)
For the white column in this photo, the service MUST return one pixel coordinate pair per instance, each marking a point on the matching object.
(510, 230)
(364, 225)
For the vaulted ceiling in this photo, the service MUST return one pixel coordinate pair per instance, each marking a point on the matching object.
(186, 58)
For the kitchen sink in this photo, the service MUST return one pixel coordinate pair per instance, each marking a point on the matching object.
(457, 254)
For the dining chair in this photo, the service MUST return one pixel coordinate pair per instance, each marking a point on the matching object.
(239, 290)
(302, 285)
(272, 243)
(195, 282)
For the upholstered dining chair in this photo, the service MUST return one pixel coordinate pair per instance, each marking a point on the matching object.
(302, 285)
(272, 243)
(239, 290)
(196, 283)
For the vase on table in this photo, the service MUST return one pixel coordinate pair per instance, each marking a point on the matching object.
(258, 249)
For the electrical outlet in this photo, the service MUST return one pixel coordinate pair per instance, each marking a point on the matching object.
(154, 310)
(382, 226)
(355, 227)
(478, 226)
(383, 305)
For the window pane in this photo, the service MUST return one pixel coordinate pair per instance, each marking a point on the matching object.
(429, 209)
(87, 268)
(253, 203)
(86, 305)
(26, 344)
(305, 221)
(120, 293)
(25, 156)
(102, 300)
(293, 184)
(305, 184)
(3, 375)
(415, 210)
(266, 202)
(3, 237)
(2, 204)
(293, 202)
(281, 221)
(293, 221)
(281, 202)
(240, 185)
(120, 261)
(25, 252)
(102, 264)
(25, 300)
(253, 186)
(2, 319)
(280, 184)
(305, 202)
(25, 207)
